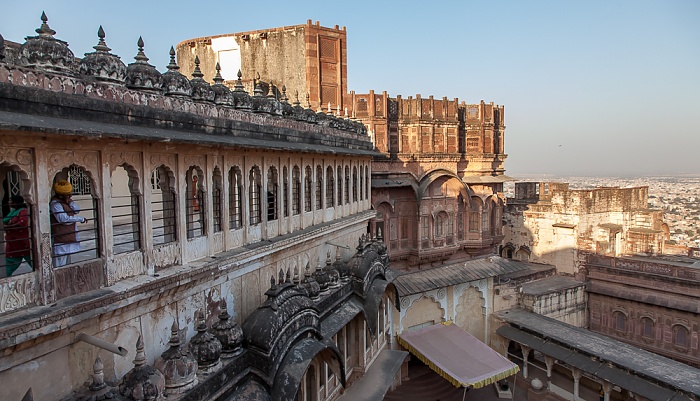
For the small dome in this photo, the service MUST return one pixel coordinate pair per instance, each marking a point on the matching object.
(205, 347)
(45, 51)
(141, 75)
(222, 94)
(323, 278)
(143, 382)
(229, 334)
(309, 286)
(201, 90)
(241, 98)
(178, 366)
(102, 64)
(175, 83)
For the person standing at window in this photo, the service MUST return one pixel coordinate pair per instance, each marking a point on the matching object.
(64, 215)
(16, 225)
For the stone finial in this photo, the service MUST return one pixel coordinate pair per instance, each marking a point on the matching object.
(296, 280)
(201, 90)
(222, 94)
(46, 52)
(143, 382)
(288, 279)
(280, 279)
(140, 75)
(273, 283)
(310, 286)
(271, 91)
(308, 101)
(284, 98)
(98, 376)
(102, 64)
(257, 91)
(98, 390)
(238, 87)
(174, 82)
(177, 365)
(197, 73)
(229, 334)
(218, 79)
(296, 103)
(205, 347)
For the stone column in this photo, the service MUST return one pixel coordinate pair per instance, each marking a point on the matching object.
(607, 389)
(526, 353)
(549, 361)
(576, 373)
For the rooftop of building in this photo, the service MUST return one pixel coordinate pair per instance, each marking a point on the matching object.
(550, 285)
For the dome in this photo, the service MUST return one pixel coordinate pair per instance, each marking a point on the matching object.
(143, 382)
(201, 90)
(205, 347)
(102, 64)
(175, 83)
(141, 75)
(177, 365)
(240, 98)
(229, 334)
(309, 286)
(222, 94)
(45, 51)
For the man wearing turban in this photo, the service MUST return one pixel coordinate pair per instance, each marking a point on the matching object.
(64, 216)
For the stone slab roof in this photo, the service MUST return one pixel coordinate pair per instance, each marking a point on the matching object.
(670, 373)
(456, 273)
(551, 284)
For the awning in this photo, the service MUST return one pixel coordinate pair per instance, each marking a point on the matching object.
(457, 356)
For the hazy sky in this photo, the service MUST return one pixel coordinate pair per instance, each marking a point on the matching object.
(589, 88)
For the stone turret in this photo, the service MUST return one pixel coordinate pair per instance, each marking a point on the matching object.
(46, 52)
(201, 90)
(175, 83)
(143, 382)
(141, 75)
(102, 64)
(205, 347)
(222, 94)
(228, 333)
(177, 364)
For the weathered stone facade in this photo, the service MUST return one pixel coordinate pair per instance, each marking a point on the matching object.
(188, 202)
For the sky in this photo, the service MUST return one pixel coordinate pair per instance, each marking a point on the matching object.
(600, 88)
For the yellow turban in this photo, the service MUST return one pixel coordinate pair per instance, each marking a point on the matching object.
(62, 187)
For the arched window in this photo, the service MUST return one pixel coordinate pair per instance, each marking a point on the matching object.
(296, 190)
(330, 183)
(681, 336)
(485, 218)
(367, 189)
(163, 201)
(647, 328)
(340, 185)
(361, 183)
(271, 193)
(440, 224)
(254, 192)
(194, 203)
(285, 191)
(216, 202)
(235, 205)
(17, 245)
(74, 219)
(319, 187)
(347, 185)
(308, 179)
(620, 321)
(354, 184)
(125, 205)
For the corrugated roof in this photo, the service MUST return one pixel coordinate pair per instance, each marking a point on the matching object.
(456, 273)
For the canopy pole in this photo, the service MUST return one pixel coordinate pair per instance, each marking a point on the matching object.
(515, 382)
(464, 395)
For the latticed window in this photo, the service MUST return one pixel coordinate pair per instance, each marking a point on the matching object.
(340, 185)
(296, 191)
(367, 193)
(217, 212)
(17, 245)
(126, 227)
(308, 179)
(330, 200)
(354, 184)
(254, 192)
(361, 182)
(194, 203)
(347, 185)
(74, 220)
(163, 201)
(285, 191)
(235, 182)
(272, 194)
(319, 187)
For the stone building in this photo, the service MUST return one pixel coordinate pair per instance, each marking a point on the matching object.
(218, 238)
(548, 222)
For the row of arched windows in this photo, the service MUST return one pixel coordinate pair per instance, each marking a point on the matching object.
(647, 329)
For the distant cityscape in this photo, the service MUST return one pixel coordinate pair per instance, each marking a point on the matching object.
(677, 196)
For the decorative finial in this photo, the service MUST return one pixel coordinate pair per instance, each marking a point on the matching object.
(273, 283)
(45, 30)
(174, 334)
(288, 278)
(239, 83)
(140, 358)
(296, 97)
(284, 94)
(201, 321)
(308, 102)
(280, 280)
(296, 275)
(98, 376)
(197, 73)
(271, 91)
(101, 44)
(140, 56)
(328, 258)
(218, 79)
(173, 65)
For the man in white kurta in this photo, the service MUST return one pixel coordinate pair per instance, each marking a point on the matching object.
(64, 215)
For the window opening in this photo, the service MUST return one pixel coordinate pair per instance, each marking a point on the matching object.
(163, 206)
(235, 198)
(126, 224)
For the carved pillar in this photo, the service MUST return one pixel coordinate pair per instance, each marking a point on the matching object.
(526, 353)
(549, 361)
(576, 373)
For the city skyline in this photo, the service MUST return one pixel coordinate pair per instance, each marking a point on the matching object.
(589, 89)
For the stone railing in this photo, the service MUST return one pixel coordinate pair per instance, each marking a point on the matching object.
(642, 266)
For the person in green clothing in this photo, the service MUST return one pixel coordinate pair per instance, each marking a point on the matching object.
(16, 226)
